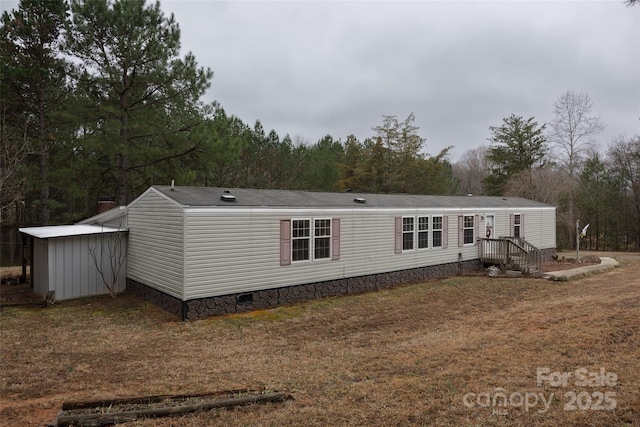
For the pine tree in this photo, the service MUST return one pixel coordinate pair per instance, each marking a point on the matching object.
(34, 85)
(145, 97)
(517, 145)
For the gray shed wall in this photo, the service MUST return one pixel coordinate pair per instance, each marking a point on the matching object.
(65, 266)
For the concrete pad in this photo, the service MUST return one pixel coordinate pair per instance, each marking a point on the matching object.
(605, 264)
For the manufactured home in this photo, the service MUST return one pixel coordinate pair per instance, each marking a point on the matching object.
(200, 251)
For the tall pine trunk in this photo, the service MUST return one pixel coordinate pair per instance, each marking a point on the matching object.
(44, 162)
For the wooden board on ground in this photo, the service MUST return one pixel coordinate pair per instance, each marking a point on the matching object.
(109, 412)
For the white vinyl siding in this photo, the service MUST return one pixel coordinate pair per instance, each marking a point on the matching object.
(213, 251)
(156, 242)
(220, 261)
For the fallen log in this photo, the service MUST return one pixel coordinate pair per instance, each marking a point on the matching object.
(70, 406)
(105, 419)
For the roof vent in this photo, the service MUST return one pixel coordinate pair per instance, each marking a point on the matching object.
(226, 191)
(360, 200)
(228, 198)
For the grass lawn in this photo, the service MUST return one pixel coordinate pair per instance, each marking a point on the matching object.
(437, 353)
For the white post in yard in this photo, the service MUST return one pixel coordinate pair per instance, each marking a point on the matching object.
(577, 240)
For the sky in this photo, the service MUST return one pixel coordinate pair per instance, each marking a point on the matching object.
(312, 68)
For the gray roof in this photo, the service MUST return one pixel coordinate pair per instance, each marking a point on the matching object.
(211, 196)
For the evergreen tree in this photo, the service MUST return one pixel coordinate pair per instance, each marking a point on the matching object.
(518, 145)
(34, 86)
(322, 171)
(349, 167)
(145, 97)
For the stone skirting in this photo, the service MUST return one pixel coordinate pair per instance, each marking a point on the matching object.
(237, 303)
(165, 301)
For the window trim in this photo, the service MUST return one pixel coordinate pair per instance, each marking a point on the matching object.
(465, 227)
(419, 231)
(516, 223)
(412, 232)
(287, 240)
(309, 238)
(328, 237)
(462, 227)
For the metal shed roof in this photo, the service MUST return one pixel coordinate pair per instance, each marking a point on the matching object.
(48, 232)
(211, 196)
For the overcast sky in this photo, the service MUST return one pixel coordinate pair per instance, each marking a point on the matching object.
(315, 68)
(332, 67)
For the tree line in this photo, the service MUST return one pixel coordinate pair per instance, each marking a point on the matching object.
(561, 164)
(97, 102)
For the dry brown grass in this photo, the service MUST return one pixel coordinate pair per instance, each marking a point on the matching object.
(404, 356)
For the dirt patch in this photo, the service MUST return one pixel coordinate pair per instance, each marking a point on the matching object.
(427, 354)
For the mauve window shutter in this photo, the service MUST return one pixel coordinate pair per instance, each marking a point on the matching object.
(398, 234)
(285, 242)
(511, 224)
(335, 238)
(445, 232)
(477, 229)
(460, 230)
(522, 226)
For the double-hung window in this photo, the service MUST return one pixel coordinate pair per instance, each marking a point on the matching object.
(311, 239)
(517, 224)
(407, 233)
(321, 238)
(436, 226)
(468, 229)
(300, 239)
(423, 232)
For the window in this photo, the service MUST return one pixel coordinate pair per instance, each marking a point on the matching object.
(322, 238)
(468, 229)
(301, 239)
(436, 225)
(423, 232)
(516, 225)
(309, 239)
(407, 233)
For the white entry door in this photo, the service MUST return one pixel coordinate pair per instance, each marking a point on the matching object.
(489, 233)
(490, 227)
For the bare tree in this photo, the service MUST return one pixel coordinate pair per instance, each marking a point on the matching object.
(573, 129)
(630, 3)
(543, 185)
(472, 168)
(572, 133)
(109, 258)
